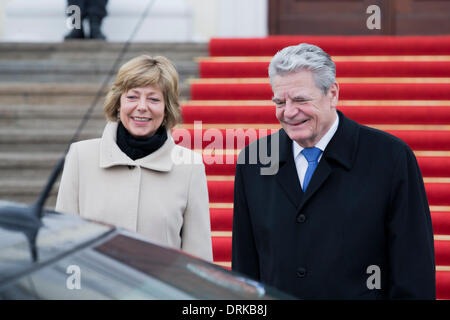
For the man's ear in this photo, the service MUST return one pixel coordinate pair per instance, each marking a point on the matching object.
(334, 94)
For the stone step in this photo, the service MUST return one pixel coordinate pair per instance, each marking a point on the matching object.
(99, 51)
(43, 135)
(45, 116)
(27, 160)
(41, 140)
(35, 147)
(21, 166)
(26, 191)
(47, 111)
(53, 117)
(30, 199)
(96, 122)
(25, 174)
(82, 65)
(73, 71)
(50, 112)
(17, 93)
(31, 187)
(49, 116)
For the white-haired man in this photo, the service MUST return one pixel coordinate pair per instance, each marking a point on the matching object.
(346, 214)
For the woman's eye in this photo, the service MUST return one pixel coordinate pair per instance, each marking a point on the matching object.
(155, 100)
(131, 97)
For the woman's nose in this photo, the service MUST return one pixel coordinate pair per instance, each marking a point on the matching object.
(142, 105)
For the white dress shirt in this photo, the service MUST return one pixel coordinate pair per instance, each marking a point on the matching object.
(300, 161)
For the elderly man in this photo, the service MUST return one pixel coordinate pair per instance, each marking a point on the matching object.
(345, 216)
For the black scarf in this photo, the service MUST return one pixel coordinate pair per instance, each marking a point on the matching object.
(139, 148)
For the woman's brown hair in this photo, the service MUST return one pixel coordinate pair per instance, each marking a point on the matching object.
(144, 71)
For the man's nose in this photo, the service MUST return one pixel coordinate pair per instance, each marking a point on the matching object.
(290, 110)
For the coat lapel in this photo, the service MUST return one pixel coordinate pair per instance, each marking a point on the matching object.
(341, 151)
(319, 177)
(287, 176)
(111, 155)
(161, 159)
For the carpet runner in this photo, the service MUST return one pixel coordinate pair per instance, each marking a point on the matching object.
(397, 84)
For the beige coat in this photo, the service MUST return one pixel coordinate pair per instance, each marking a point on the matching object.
(162, 196)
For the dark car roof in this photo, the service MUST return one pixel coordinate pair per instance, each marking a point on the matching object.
(60, 235)
(132, 265)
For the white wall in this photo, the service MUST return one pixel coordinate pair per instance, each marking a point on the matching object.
(168, 20)
(229, 18)
(2, 15)
(205, 15)
(243, 18)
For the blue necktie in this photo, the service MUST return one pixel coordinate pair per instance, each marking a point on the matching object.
(311, 155)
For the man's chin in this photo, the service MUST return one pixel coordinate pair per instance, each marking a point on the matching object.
(300, 137)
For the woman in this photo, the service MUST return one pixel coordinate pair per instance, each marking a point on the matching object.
(131, 177)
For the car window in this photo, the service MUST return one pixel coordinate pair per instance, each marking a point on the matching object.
(197, 277)
(90, 275)
(79, 259)
(59, 235)
(124, 267)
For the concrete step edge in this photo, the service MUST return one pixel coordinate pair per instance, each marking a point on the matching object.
(28, 160)
(99, 46)
(28, 187)
(56, 88)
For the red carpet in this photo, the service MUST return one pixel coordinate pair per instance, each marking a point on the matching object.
(222, 220)
(416, 139)
(363, 114)
(348, 91)
(398, 84)
(442, 285)
(342, 46)
(258, 69)
(424, 139)
(438, 193)
(442, 250)
(429, 166)
(441, 223)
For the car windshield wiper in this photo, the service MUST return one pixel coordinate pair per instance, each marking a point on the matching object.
(27, 219)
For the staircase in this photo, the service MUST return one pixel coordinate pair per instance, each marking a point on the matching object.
(45, 90)
(399, 85)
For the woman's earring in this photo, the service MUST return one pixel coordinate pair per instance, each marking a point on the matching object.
(118, 114)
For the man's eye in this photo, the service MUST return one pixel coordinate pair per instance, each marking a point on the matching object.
(280, 104)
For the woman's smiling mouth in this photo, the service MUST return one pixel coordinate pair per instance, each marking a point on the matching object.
(141, 119)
